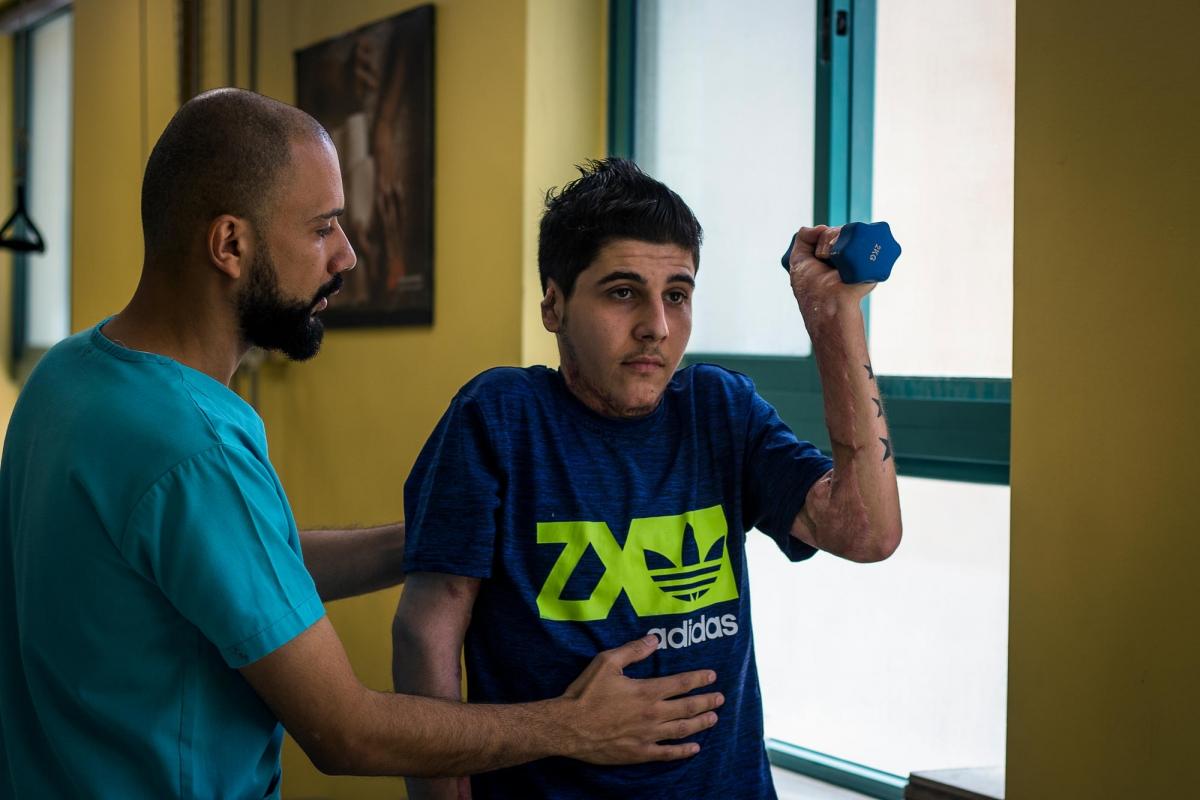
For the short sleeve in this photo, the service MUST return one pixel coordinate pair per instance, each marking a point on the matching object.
(780, 470)
(215, 534)
(452, 497)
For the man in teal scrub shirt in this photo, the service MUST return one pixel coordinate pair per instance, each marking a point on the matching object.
(157, 618)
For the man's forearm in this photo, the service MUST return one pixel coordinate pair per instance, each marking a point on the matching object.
(855, 510)
(347, 563)
(429, 737)
(603, 717)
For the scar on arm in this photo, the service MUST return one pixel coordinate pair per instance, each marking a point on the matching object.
(807, 521)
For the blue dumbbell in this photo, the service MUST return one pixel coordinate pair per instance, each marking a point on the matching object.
(863, 253)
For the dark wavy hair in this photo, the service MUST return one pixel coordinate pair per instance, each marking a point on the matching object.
(612, 199)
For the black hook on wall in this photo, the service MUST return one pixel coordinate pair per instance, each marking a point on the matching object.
(18, 233)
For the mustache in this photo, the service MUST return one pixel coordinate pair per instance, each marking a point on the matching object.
(654, 353)
(334, 285)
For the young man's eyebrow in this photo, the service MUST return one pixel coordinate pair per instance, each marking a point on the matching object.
(337, 212)
(621, 276)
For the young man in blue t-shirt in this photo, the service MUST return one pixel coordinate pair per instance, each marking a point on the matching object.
(556, 512)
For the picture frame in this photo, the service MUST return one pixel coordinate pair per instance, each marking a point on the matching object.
(373, 90)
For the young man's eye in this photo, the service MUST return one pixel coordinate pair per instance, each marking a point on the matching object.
(677, 297)
(622, 293)
(323, 232)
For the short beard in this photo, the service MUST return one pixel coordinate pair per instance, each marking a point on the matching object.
(269, 320)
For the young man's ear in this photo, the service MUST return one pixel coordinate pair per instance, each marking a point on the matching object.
(552, 307)
(228, 245)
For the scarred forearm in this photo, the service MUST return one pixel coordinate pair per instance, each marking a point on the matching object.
(854, 510)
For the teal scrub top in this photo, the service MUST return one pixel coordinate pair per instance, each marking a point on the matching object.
(147, 551)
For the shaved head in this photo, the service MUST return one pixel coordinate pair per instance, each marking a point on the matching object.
(224, 152)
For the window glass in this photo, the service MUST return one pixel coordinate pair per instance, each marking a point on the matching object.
(724, 116)
(49, 182)
(943, 178)
(900, 665)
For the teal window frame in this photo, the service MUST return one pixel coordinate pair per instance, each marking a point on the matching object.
(954, 429)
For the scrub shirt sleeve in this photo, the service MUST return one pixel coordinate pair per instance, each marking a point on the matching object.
(216, 535)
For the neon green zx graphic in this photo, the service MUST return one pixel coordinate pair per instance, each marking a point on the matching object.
(669, 565)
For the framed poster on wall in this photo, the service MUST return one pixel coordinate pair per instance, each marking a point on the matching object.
(372, 89)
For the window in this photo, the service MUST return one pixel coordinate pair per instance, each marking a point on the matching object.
(42, 121)
(943, 176)
(709, 74)
(900, 665)
(767, 115)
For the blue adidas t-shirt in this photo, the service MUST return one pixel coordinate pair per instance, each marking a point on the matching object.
(147, 551)
(590, 532)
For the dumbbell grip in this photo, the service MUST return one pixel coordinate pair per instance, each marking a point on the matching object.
(864, 252)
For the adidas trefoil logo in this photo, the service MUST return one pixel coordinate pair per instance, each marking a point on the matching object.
(690, 579)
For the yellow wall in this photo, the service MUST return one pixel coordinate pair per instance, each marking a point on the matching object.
(565, 68)
(1104, 652)
(125, 93)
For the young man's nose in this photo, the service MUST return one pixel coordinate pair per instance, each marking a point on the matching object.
(653, 326)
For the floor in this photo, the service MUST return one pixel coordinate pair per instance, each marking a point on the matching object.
(794, 786)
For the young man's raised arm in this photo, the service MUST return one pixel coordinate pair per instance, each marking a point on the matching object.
(603, 717)
(854, 510)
